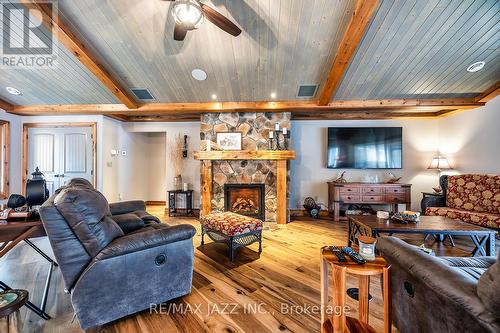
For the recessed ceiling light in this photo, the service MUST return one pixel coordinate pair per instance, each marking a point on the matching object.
(13, 91)
(199, 74)
(273, 95)
(214, 97)
(477, 66)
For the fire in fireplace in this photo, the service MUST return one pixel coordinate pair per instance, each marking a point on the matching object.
(245, 199)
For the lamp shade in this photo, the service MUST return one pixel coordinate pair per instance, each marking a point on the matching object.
(439, 163)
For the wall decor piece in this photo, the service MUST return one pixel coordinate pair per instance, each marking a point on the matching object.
(229, 140)
(341, 178)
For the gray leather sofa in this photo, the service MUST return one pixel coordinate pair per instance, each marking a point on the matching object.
(441, 294)
(115, 269)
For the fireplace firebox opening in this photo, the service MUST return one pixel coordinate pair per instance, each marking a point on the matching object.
(245, 199)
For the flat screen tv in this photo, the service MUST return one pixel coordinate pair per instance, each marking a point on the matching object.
(365, 147)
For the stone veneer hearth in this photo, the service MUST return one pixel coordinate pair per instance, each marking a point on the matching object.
(255, 129)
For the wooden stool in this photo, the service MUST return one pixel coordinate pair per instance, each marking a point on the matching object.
(338, 323)
(12, 300)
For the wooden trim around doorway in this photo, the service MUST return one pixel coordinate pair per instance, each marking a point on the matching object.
(5, 151)
(26, 126)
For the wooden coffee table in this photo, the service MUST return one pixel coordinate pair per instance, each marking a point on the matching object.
(370, 225)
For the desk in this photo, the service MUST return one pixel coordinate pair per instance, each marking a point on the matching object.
(14, 232)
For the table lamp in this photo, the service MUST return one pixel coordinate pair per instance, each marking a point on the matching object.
(439, 163)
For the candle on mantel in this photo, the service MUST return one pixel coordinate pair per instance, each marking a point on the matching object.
(284, 130)
(271, 134)
(277, 126)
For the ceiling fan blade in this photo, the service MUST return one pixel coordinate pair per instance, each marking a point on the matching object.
(220, 20)
(180, 32)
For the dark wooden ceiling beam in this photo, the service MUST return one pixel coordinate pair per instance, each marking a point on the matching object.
(80, 51)
(360, 18)
(178, 109)
(489, 94)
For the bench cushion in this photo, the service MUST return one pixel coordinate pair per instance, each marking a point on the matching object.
(481, 219)
(230, 224)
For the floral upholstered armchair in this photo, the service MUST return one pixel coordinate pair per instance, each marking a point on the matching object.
(470, 198)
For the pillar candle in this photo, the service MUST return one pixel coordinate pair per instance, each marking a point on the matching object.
(271, 134)
(277, 126)
(284, 130)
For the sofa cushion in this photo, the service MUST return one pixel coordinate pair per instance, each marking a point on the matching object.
(488, 288)
(472, 267)
(146, 217)
(87, 213)
(478, 193)
(231, 224)
(482, 219)
(128, 222)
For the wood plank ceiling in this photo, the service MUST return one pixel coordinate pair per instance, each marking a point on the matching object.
(421, 49)
(69, 82)
(415, 49)
(284, 43)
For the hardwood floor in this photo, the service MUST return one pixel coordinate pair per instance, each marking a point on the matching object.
(251, 294)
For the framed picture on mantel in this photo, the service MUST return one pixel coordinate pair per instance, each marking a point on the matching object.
(229, 140)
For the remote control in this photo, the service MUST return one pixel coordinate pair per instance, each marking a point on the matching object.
(355, 256)
(340, 256)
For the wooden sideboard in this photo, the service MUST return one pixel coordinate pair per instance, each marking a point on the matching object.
(367, 193)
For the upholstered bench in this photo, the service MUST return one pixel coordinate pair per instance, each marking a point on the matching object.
(233, 229)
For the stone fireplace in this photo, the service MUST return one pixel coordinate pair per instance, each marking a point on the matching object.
(245, 199)
(253, 165)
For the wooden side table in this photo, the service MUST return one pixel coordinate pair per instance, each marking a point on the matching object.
(339, 323)
(12, 300)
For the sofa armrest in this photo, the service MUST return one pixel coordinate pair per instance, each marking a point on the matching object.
(125, 207)
(442, 279)
(159, 235)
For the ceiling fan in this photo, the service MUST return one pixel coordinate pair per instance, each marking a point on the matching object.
(189, 15)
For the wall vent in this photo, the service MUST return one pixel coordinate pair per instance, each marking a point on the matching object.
(307, 90)
(143, 94)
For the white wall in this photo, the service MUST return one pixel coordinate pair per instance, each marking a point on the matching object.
(140, 174)
(191, 173)
(309, 174)
(471, 139)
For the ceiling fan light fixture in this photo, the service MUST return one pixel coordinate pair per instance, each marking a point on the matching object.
(187, 12)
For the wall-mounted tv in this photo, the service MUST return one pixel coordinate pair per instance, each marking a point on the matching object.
(365, 148)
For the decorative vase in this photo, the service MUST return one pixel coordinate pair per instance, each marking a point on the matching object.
(178, 182)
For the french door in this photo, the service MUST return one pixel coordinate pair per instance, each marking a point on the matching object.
(61, 153)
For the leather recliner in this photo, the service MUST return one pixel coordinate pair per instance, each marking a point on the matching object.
(115, 269)
(441, 294)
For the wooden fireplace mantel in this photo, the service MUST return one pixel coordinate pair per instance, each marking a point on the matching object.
(280, 156)
(245, 155)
